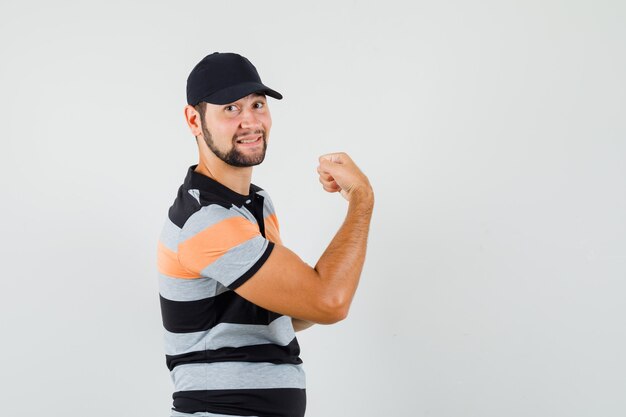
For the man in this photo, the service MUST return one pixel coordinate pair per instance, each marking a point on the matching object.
(231, 295)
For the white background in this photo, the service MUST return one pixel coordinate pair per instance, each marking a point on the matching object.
(493, 133)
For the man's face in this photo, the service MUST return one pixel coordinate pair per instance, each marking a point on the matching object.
(237, 133)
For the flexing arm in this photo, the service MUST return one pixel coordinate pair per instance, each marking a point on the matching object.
(287, 285)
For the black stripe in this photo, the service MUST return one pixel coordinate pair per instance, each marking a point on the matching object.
(276, 402)
(257, 205)
(255, 353)
(184, 206)
(199, 315)
(239, 281)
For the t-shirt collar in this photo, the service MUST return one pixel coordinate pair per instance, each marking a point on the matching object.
(195, 180)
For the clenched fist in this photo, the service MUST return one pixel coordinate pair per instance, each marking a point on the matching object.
(338, 172)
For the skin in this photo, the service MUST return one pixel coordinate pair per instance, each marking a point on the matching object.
(286, 284)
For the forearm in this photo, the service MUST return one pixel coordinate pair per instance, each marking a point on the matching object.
(341, 264)
(299, 324)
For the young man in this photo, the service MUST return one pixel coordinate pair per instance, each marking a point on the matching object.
(232, 296)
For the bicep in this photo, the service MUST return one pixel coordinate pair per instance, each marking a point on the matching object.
(287, 285)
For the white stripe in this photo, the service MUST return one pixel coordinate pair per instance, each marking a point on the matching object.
(195, 194)
(279, 332)
(179, 289)
(237, 261)
(237, 375)
(202, 414)
(169, 235)
(244, 212)
(206, 217)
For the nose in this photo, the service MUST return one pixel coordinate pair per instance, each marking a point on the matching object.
(250, 120)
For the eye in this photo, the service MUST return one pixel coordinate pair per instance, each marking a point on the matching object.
(230, 108)
(259, 105)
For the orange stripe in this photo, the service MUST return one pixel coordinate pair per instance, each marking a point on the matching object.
(167, 263)
(207, 246)
(272, 230)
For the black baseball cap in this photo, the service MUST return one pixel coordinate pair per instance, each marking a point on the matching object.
(221, 78)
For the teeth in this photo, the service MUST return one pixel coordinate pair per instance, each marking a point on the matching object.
(248, 141)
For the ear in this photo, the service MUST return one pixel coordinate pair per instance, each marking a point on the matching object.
(192, 117)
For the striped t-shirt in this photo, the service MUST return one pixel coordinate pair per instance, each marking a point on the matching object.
(226, 355)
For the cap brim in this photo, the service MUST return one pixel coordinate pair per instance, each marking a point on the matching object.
(235, 92)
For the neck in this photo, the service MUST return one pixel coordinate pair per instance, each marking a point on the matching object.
(236, 178)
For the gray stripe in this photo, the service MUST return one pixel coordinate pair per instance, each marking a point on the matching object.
(237, 375)
(206, 217)
(243, 211)
(279, 332)
(202, 414)
(169, 235)
(178, 289)
(237, 261)
(268, 205)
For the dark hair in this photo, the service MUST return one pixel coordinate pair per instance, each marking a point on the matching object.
(201, 108)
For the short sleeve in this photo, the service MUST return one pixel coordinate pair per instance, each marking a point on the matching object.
(222, 244)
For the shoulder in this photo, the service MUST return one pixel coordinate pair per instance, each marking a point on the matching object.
(215, 219)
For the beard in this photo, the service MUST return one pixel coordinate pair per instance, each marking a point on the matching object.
(234, 157)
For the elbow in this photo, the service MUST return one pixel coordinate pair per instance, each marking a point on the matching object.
(334, 309)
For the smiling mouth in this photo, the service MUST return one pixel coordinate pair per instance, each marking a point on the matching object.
(249, 139)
